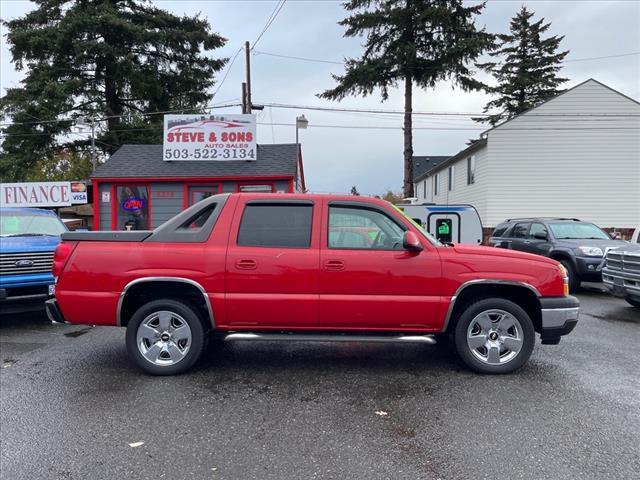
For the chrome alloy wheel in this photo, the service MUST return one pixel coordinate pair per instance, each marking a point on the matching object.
(163, 338)
(495, 337)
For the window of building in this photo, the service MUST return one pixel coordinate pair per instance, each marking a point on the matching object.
(132, 209)
(436, 181)
(452, 174)
(471, 170)
(276, 225)
(425, 188)
(200, 192)
(255, 188)
(363, 229)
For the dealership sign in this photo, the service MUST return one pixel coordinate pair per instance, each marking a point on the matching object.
(209, 137)
(42, 194)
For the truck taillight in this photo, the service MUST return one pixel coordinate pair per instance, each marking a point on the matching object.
(61, 256)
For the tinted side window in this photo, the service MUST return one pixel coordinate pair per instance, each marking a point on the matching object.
(500, 230)
(363, 229)
(521, 230)
(537, 228)
(273, 225)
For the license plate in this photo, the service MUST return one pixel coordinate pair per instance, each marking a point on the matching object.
(52, 289)
(618, 282)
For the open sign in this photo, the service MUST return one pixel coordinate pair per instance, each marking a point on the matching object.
(133, 204)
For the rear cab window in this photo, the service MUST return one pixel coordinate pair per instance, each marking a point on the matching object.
(276, 224)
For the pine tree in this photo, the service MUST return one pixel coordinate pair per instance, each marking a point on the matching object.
(528, 72)
(109, 59)
(413, 41)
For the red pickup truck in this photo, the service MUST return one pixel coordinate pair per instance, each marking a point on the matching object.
(307, 267)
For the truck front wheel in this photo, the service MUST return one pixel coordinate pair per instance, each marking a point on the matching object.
(165, 337)
(494, 335)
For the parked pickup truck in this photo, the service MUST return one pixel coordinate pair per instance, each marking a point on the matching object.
(28, 238)
(621, 273)
(298, 267)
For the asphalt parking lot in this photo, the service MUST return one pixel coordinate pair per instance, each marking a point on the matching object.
(72, 403)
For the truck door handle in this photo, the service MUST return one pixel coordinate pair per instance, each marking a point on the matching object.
(334, 265)
(246, 264)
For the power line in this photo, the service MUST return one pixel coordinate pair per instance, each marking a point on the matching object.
(446, 114)
(226, 74)
(104, 119)
(334, 62)
(360, 127)
(451, 115)
(270, 20)
(297, 58)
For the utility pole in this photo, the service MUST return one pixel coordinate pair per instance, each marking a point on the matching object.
(244, 97)
(247, 52)
(93, 145)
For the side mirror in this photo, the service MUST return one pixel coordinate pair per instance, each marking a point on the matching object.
(540, 236)
(411, 242)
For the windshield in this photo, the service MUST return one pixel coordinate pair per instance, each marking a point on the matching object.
(577, 230)
(430, 237)
(29, 225)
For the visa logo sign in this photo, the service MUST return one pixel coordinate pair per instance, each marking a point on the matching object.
(79, 197)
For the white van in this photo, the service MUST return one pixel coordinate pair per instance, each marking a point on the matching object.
(448, 223)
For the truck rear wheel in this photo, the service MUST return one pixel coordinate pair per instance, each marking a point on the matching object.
(494, 335)
(165, 337)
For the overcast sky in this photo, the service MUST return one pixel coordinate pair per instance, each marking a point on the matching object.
(337, 158)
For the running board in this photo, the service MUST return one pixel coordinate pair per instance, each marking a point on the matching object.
(311, 337)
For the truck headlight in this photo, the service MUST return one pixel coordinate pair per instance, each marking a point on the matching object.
(591, 251)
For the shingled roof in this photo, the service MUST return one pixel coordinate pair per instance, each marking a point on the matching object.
(422, 165)
(135, 161)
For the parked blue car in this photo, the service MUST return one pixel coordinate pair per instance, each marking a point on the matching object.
(28, 238)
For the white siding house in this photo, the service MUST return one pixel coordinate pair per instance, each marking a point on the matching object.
(576, 155)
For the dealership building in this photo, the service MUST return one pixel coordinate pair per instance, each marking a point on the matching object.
(138, 189)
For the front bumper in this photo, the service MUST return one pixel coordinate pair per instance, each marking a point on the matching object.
(589, 268)
(621, 284)
(559, 317)
(53, 311)
(24, 299)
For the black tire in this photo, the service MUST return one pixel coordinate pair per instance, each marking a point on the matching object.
(198, 339)
(633, 302)
(574, 279)
(465, 351)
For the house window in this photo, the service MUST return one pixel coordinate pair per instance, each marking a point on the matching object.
(200, 192)
(451, 177)
(425, 188)
(471, 170)
(132, 211)
(255, 188)
(436, 181)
